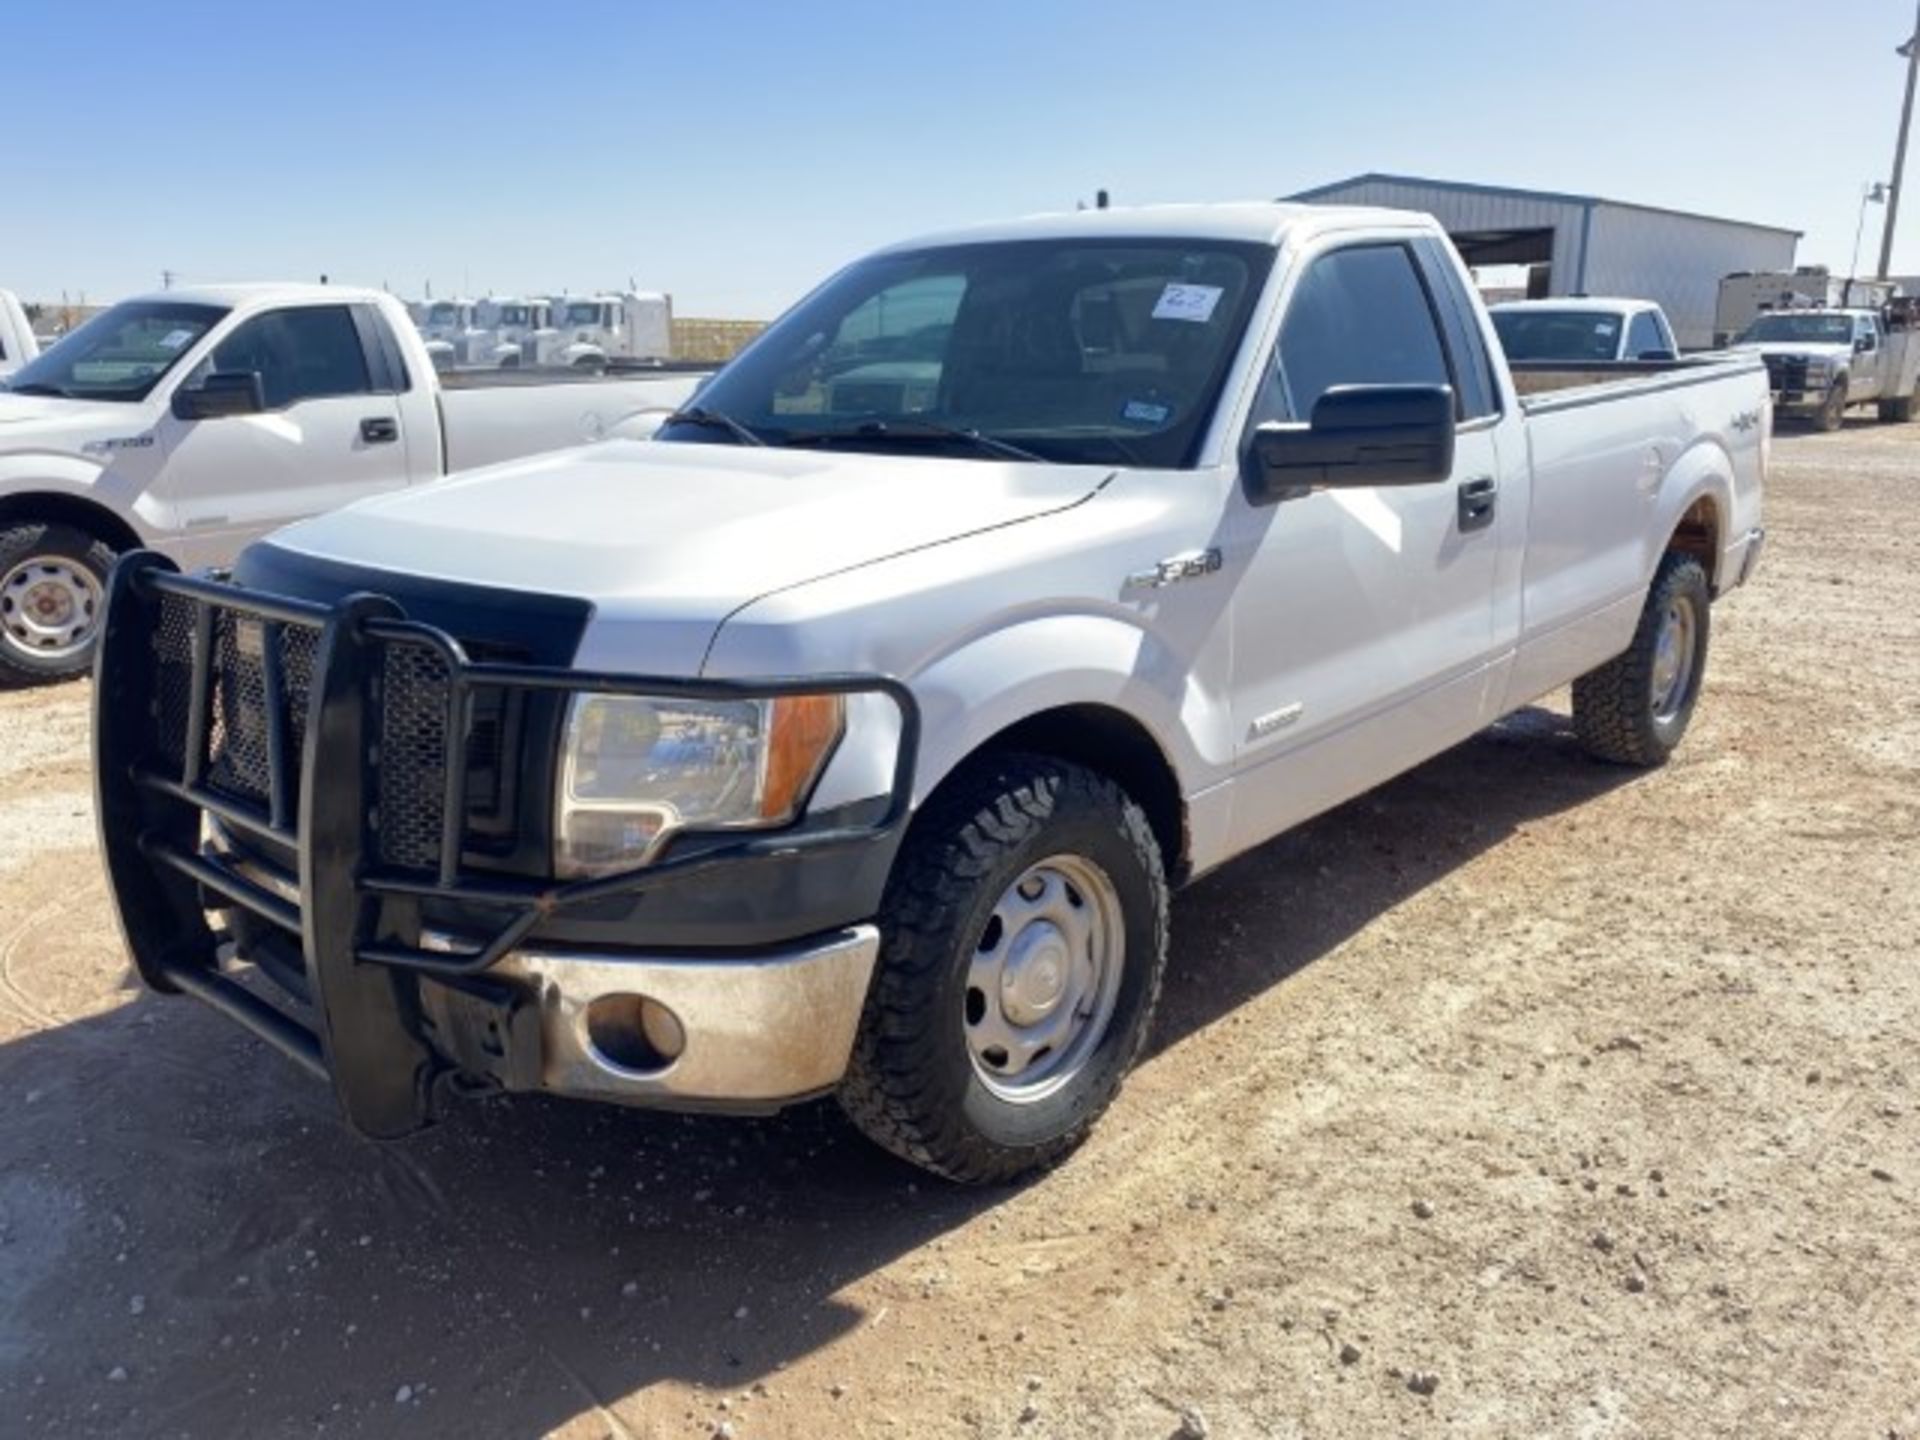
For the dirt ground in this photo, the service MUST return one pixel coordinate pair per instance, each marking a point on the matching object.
(1586, 1101)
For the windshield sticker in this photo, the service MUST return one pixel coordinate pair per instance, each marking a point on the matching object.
(174, 339)
(1145, 412)
(1192, 303)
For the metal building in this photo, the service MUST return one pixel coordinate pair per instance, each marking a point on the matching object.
(1585, 245)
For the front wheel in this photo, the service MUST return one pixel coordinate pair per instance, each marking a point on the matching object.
(1831, 414)
(52, 583)
(1634, 709)
(1023, 940)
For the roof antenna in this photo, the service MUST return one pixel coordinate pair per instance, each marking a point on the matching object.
(1099, 199)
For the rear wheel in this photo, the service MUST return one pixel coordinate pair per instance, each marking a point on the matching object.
(1900, 410)
(52, 587)
(1634, 709)
(1023, 941)
(1830, 415)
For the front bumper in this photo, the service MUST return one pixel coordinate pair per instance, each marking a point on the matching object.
(293, 733)
(757, 1032)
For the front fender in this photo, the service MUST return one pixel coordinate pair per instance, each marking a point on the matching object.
(25, 473)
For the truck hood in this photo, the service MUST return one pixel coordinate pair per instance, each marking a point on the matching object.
(48, 422)
(1813, 350)
(673, 538)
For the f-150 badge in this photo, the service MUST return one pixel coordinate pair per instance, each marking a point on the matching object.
(1746, 420)
(1192, 565)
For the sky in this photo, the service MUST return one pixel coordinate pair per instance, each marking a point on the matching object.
(733, 153)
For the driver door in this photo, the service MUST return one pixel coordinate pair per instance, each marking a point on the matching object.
(1364, 628)
(328, 434)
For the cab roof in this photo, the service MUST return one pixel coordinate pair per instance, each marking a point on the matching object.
(1264, 222)
(244, 293)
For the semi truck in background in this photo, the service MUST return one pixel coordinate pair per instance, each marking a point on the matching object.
(453, 333)
(596, 330)
(520, 330)
(18, 344)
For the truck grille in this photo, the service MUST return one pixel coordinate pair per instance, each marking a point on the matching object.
(412, 692)
(1786, 372)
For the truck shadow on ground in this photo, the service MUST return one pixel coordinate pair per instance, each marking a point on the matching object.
(532, 1260)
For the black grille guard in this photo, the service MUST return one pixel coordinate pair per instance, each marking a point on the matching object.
(322, 773)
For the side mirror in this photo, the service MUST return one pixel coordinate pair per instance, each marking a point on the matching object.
(1360, 435)
(1863, 345)
(222, 393)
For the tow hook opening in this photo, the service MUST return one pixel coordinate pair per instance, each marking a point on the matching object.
(634, 1033)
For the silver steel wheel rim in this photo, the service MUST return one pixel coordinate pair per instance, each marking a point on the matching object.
(1044, 978)
(49, 605)
(1673, 659)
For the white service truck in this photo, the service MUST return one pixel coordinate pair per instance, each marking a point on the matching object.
(1746, 295)
(194, 420)
(18, 344)
(1821, 363)
(851, 740)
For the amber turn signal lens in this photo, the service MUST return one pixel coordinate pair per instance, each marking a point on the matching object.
(804, 731)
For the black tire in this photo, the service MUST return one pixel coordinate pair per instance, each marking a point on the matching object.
(912, 1085)
(1616, 711)
(21, 544)
(1898, 412)
(1832, 415)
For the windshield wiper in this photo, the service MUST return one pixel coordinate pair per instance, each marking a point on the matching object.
(916, 429)
(36, 387)
(713, 420)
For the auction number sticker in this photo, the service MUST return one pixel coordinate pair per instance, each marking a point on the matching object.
(1192, 303)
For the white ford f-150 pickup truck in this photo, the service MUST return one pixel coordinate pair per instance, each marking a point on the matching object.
(192, 421)
(850, 738)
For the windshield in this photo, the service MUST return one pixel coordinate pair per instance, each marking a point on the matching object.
(514, 315)
(121, 353)
(1081, 351)
(1558, 334)
(583, 314)
(443, 314)
(1784, 325)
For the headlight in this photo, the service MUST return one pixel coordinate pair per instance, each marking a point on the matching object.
(636, 769)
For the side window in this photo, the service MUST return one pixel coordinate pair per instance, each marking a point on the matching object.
(305, 354)
(1666, 333)
(1642, 335)
(1358, 317)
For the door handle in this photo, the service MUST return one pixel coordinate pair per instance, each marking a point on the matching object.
(1476, 502)
(379, 430)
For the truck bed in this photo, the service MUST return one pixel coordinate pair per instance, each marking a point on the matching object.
(496, 415)
(1533, 378)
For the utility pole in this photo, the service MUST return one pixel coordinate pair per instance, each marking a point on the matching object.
(1911, 50)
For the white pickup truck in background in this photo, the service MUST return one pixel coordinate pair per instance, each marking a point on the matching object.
(18, 344)
(191, 421)
(1583, 329)
(1823, 362)
(849, 738)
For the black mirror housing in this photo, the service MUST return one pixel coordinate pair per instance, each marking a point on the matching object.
(1360, 435)
(222, 393)
(1863, 345)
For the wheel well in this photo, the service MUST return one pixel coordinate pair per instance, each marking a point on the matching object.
(1116, 745)
(44, 508)
(1698, 535)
